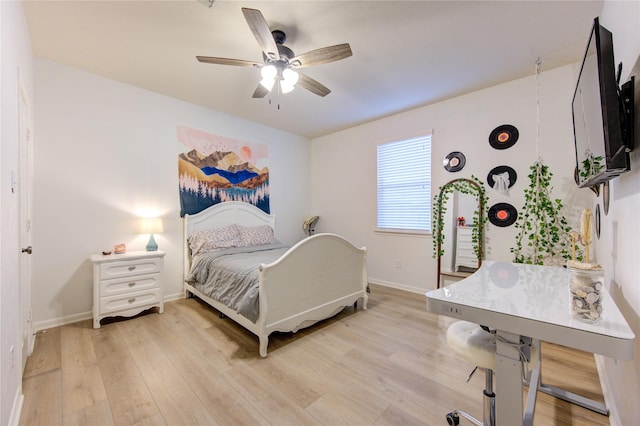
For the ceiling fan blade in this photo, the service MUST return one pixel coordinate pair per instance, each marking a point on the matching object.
(227, 61)
(260, 92)
(261, 32)
(312, 85)
(322, 56)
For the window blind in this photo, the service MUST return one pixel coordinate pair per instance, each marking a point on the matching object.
(404, 185)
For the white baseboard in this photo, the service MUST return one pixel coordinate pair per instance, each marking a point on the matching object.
(174, 296)
(404, 287)
(56, 322)
(16, 410)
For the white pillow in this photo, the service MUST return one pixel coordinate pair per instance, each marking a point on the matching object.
(213, 239)
(256, 235)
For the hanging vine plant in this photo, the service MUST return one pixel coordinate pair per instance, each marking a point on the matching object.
(474, 187)
(544, 236)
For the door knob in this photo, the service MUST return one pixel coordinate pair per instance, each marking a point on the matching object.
(27, 250)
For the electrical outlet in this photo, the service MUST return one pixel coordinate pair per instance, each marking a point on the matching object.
(13, 361)
(451, 309)
(398, 264)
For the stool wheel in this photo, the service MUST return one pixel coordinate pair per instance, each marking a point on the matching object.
(453, 419)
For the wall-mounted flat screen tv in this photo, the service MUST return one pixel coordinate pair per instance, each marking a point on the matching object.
(600, 117)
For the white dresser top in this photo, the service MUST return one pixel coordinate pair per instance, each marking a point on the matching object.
(130, 255)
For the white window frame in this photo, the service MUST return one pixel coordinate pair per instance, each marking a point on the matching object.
(403, 190)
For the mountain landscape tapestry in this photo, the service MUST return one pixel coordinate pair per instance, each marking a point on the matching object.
(216, 169)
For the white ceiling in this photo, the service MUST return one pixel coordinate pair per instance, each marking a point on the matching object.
(405, 54)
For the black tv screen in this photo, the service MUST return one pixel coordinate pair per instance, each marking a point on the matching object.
(600, 145)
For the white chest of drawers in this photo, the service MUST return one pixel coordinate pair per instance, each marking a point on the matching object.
(126, 284)
(465, 255)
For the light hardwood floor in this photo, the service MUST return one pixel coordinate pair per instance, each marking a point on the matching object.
(388, 365)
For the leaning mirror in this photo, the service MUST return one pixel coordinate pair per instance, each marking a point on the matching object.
(458, 226)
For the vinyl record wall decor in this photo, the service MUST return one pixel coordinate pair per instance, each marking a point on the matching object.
(501, 178)
(503, 137)
(502, 214)
(454, 161)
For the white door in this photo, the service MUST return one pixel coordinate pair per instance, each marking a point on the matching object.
(24, 189)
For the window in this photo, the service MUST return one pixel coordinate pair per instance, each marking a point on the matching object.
(404, 185)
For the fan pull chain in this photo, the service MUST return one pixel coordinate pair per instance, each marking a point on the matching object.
(279, 92)
(277, 96)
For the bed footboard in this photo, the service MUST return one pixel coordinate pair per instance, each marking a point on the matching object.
(313, 280)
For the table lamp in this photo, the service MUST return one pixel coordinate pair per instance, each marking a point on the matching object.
(151, 225)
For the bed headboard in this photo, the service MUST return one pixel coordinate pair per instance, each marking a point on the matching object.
(220, 215)
(227, 213)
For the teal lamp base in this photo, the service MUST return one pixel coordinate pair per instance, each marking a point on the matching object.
(152, 245)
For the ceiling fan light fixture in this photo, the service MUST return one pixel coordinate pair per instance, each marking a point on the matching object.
(268, 73)
(286, 88)
(267, 84)
(289, 80)
(289, 76)
(278, 59)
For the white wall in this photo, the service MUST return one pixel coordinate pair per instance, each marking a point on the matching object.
(344, 168)
(619, 246)
(105, 152)
(16, 66)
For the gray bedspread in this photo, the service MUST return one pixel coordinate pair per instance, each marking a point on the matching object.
(231, 276)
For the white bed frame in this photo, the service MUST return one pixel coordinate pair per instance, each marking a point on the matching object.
(315, 279)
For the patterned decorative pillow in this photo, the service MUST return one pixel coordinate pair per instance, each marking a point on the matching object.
(257, 235)
(213, 239)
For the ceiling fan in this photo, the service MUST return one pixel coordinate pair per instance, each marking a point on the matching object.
(279, 62)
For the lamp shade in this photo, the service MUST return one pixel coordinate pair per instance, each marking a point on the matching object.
(289, 80)
(290, 76)
(151, 225)
(268, 73)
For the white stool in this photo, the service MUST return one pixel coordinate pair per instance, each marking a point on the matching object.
(477, 346)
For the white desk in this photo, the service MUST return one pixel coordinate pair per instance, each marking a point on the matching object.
(528, 301)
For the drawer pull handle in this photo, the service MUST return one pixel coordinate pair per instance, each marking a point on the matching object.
(132, 268)
(131, 284)
(133, 299)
